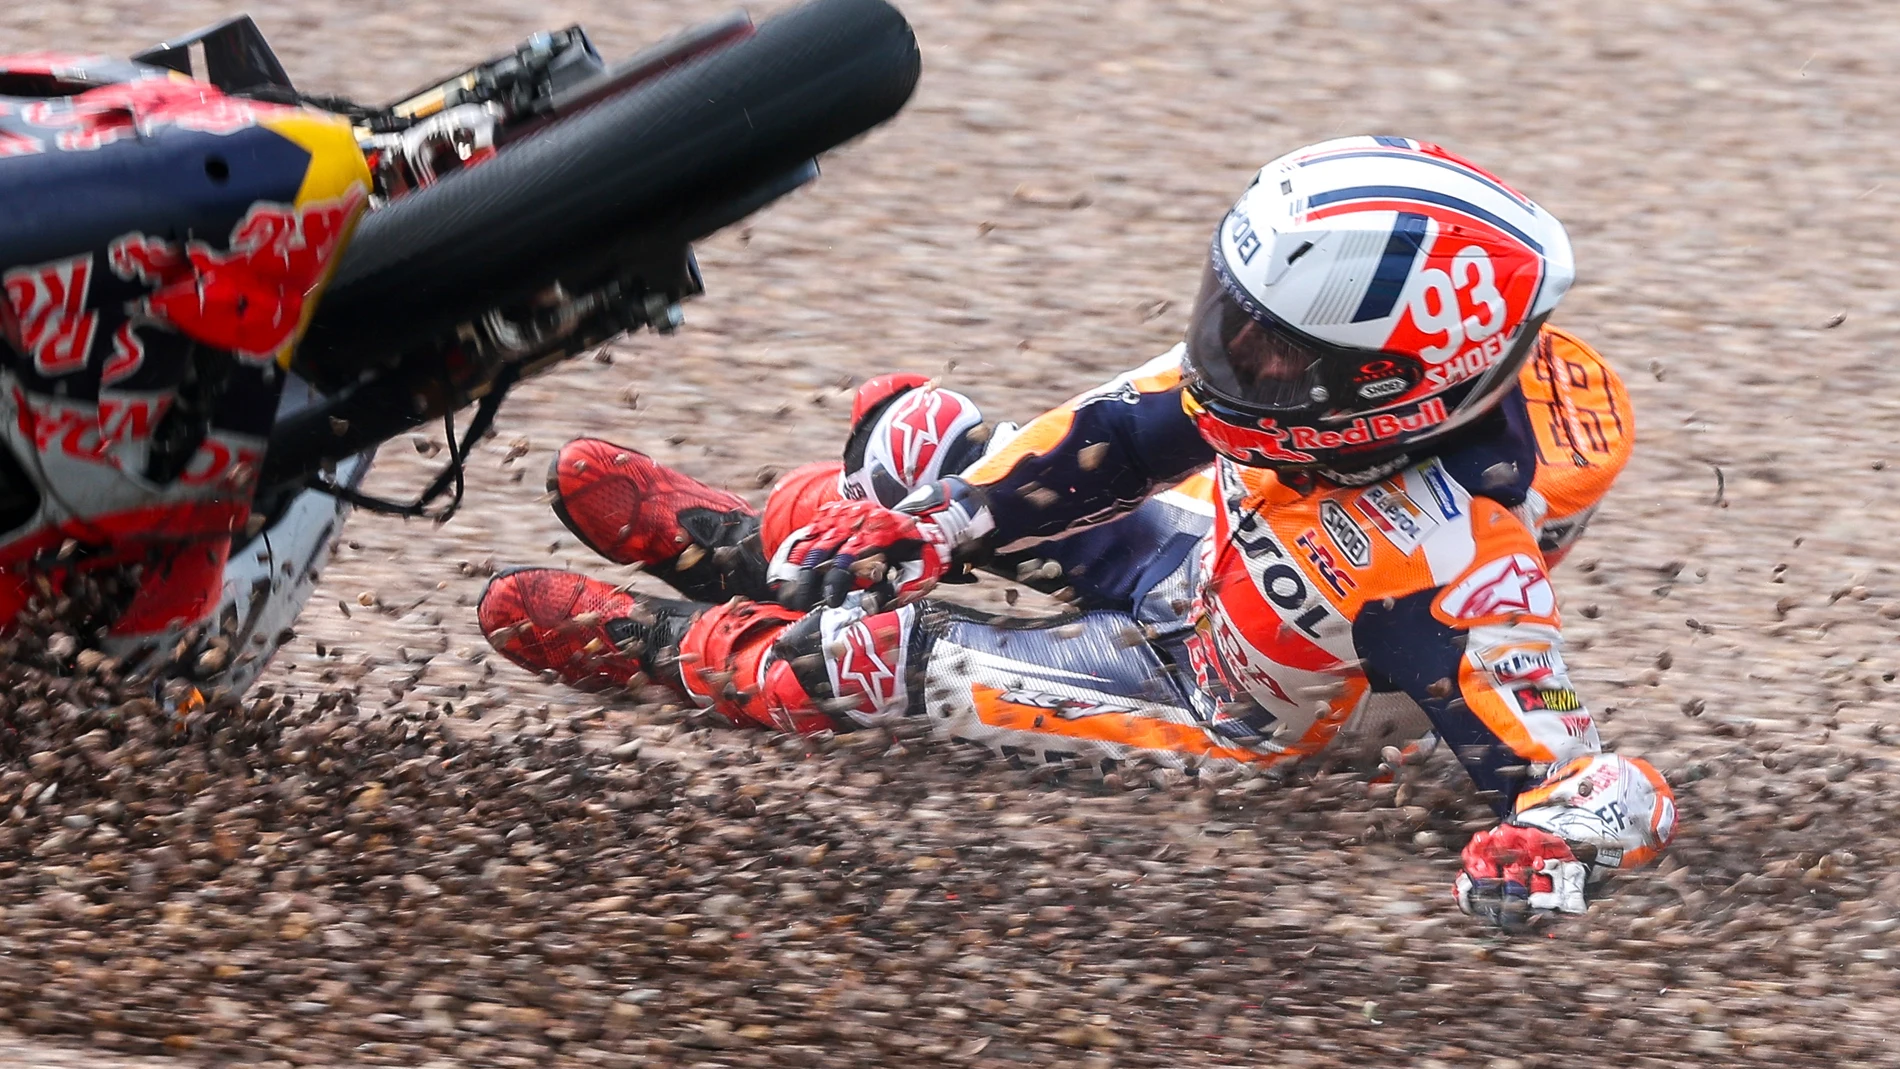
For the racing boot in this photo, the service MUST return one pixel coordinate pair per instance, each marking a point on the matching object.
(592, 636)
(596, 637)
(631, 509)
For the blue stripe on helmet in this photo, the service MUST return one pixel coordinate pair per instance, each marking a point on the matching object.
(1319, 200)
(1401, 250)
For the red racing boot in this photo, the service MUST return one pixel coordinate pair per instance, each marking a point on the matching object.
(591, 635)
(631, 509)
(596, 637)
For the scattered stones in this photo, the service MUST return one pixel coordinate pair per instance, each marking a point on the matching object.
(439, 891)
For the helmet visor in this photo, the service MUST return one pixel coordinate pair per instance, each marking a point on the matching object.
(1244, 356)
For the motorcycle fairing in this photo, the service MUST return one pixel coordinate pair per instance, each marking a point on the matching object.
(172, 246)
(38, 75)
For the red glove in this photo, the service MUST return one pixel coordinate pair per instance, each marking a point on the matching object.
(861, 545)
(1511, 871)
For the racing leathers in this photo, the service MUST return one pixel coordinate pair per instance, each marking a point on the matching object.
(1223, 616)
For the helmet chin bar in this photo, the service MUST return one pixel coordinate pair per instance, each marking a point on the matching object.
(1352, 447)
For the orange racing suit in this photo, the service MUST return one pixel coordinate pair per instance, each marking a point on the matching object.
(1221, 614)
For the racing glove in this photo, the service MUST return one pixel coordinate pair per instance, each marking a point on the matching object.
(1586, 820)
(897, 553)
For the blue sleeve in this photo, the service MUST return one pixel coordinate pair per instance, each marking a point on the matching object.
(1504, 707)
(1092, 459)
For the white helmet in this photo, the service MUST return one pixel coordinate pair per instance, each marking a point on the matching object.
(905, 432)
(1364, 296)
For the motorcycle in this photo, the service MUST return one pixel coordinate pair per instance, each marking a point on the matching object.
(526, 210)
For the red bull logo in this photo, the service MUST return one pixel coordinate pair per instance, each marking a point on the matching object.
(46, 315)
(248, 298)
(1368, 429)
(1263, 444)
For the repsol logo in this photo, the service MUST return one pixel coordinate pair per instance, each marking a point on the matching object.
(1281, 582)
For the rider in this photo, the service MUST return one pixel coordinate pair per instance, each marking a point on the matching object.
(1323, 523)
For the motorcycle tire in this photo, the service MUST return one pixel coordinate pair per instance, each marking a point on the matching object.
(641, 165)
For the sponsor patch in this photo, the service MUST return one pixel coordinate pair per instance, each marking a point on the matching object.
(1326, 564)
(1395, 515)
(1264, 443)
(83, 434)
(1067, 707)
(1509, 587)
(1552, 699)
(1472, 362)
(1527, 662)
(46, 305)
(1604, 776)
(1246, 239)
(247, 298)
(1379, 379)
(1443, 495)
(1347, 536)
(1234, 665)
(1368, 429)
(1269, 565)
(218, 463)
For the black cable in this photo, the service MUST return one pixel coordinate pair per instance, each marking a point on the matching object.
(453, 474)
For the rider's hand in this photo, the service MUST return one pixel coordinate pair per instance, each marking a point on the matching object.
(1511, 872)
(861, 545)
(901, 552)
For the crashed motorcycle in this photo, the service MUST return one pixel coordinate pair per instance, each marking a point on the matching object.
(221, 293)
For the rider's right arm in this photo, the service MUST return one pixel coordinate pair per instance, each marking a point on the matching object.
(1091, 459)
